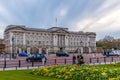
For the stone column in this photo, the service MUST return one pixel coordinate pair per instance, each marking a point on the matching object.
(19, 50)
(95, 49)
(24, 39)
(11, 35)
(28, 50)
(62, 39)
(78, 51)
(11, 43)
(15, 49)
(58, 40)
(39, 50)
(11, 49)
(89, 49)
(81, 50)
(47, 51)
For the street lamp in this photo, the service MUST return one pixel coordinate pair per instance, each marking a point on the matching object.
(12, 54)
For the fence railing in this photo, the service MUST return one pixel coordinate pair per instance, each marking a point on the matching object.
(104, 59)
(23, 63)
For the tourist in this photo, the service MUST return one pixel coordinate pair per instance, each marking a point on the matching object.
(74, 59)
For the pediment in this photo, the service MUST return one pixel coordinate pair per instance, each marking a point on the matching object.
(18, 28)
(14, 27)
(61, 31)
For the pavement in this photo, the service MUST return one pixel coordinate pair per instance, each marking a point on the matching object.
(2, 59)
(21, 68)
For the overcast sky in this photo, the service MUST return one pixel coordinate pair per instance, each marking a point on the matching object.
(100, 16)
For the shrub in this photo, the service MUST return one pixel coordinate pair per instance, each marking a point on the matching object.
(83, 72)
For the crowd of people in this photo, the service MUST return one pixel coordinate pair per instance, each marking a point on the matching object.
(80, 59)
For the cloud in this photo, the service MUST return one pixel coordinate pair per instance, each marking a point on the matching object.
(2, 28)
(104, 19)
(4, 13)
(100, 16)
(1, 33)
(63, 12)
(2, 25)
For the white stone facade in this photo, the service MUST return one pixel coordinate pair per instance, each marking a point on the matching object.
(51, 40)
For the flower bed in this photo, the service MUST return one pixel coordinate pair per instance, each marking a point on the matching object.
(84, 72)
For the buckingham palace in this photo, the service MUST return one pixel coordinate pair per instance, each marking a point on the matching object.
(24, 39)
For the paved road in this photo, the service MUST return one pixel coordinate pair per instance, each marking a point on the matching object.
(51, 59)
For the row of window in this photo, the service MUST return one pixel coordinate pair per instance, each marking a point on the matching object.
(34, 34)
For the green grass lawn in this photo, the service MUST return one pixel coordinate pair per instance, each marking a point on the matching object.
(22, 75)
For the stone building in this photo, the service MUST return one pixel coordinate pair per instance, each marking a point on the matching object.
(2, 45)
(24, 39)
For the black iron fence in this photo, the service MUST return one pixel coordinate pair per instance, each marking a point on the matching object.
(104, 59)
(22, 63)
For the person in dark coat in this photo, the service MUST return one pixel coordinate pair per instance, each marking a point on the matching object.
(74, 59)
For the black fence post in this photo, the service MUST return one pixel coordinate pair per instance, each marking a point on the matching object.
(55, 61)
(74, 59)
(65, 61)
(105, 59)
(5, 63)
(27, 67)
(32, 63)
(3, 68)
(97, 60)
(16, 67)
(19, 63)
(90, 60)
(111, 59)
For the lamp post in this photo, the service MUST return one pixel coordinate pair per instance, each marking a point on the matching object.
(12, 54)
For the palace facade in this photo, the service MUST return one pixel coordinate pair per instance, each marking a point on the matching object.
(24, 39)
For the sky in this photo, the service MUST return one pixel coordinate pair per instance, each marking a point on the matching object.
(99, 16)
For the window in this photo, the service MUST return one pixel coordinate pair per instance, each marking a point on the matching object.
(39, 42)
(28, 42)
